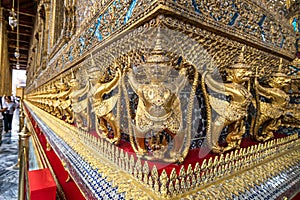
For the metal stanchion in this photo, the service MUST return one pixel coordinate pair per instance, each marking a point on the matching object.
(21, 125)
(21, 116)
(24, 164)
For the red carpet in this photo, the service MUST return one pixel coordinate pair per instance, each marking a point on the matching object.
(297, 197)
(70, 188)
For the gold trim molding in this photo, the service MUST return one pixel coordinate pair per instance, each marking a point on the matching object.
(222, 175)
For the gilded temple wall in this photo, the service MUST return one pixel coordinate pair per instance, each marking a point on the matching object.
(221, 78)
(91, 24)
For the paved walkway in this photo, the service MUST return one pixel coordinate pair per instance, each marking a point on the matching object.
(9, 176)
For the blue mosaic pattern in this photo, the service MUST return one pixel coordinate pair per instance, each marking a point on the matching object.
(70, 56)
(96, 32)
(103, 27)
(241, 15)
(200, 119)
(296, 25)
(294, 71)
(289, 130)
(295, 100)
(275, 187)
(93, 184)
(129, 12)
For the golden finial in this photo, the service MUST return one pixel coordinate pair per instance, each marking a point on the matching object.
(280, 65)
(183, 185)
(248, 150)
(254, 149)
(199, 180)
(157, 54)
(279, 73)
(126, 161)
(182, 173)
(122, 157)
(171, 188)
(230, 167)
(61, 79)
(204, 165)
(150, 182)
(239, 63)
(156, 185)
(138, 167)
(72, 74)
(227, 158)
(221, 159)
(236, 154)
(272, 143)
(244, 152)
(210, 174)
(164, 180)
(189, 170)
(231, 157)
(146, 169)
(154, 172)
(129, 61)
(188, 182)
(209, 164)
(197, 168)
(194, 182)
(240, 58)
(220, 170)
(203, 177)
(93, 61)
(173, 175)
(131, 164)
(158, 41)
(226, 169)
(215, 172)
(177, 186)
(216, 161)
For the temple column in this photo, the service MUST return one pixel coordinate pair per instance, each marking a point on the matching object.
(5, 70)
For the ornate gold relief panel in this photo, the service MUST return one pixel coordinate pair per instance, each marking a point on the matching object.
(40, 39)
(148, 76)
(63, 24)
(38, 52)
(230, 109)
(271, 103)
(57, 19)
(85, 10)
(147, 91)
(106, 18)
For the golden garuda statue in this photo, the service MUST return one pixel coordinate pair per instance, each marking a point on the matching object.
(80, 104)
(103, 107)
(158, 118)
(230, 113)
(65, 107)
(269, 114)
(52, 100)
(292, 117)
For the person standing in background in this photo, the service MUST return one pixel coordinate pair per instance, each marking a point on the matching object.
(9, 108)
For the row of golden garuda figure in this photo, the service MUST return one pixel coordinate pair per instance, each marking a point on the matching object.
(158, 130)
